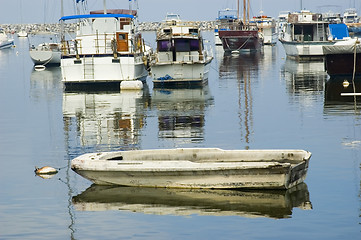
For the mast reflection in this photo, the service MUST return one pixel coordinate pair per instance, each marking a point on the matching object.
(242, 68)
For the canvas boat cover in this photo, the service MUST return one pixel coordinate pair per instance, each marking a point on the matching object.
(343, 47)
(339, 31)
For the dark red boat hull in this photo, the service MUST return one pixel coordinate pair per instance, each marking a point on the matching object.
(238, 40)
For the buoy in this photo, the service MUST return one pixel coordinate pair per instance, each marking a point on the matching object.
(39, 67)
(345, 84)
(131, 85)
(45, 170)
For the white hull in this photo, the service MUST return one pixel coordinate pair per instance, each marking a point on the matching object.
(102, 69)
(22, 34)
(180, 72)
(269, 37)
(44, 57)
(217, 40)
(305, 49)
(6, 43)
(196, 168)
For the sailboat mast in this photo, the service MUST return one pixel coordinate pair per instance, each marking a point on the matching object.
(248, 11)
(238, 9)
(62, 21)
(244, 11)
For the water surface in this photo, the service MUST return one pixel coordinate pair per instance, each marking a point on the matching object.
(255, 101)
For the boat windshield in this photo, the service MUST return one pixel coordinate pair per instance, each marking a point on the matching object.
(186, 45)
(164, 45)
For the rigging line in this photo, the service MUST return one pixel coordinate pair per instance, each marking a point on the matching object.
(240, 46)
(354, 72)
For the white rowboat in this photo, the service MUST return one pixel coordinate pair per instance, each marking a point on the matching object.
(196, 168)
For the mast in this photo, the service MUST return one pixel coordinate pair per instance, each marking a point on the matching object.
(105, 7)
(238, 9)
(244, 11)
(248, 11)
(62, 21)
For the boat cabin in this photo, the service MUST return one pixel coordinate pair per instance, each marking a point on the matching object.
(180, 42)
(99, 33)
(305, 26)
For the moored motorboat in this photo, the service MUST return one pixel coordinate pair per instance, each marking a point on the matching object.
(267, 28)
(46, 54)
(5, 42)
(343, 58)
(304, 35)
(224, 15)
(196, 168)
(107, 49)
(180, 57)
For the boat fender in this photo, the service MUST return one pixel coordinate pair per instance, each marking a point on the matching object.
(45, 170)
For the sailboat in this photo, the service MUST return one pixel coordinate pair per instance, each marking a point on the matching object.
(108, 50)
(240, 35)
(22, 32)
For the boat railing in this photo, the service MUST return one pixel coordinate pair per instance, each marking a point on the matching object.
(102, 44)
(168, 57)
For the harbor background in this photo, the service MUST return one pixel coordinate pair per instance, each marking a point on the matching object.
(252, 101)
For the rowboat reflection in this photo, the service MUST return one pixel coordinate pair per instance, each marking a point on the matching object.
(185, 202)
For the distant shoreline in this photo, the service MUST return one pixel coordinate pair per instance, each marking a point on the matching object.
(54, 28)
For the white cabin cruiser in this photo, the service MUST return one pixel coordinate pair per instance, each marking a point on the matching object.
(108, 50)
(180, 57)
(304, 35)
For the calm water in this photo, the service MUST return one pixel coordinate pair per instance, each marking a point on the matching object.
(251, 101)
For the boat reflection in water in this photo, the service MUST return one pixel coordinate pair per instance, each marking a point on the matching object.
(109, 121)
(239, 69)
(335, 90)
(181, 112)
(185, 202)
(46, 82)
(304, 77)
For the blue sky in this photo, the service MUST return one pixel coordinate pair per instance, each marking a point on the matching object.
(40, 11)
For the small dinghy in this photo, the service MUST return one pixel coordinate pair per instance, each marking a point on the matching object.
(196, 168)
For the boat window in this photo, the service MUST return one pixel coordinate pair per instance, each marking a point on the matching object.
(194, 44)
(182, 45)
(167, 31)
(164, 45)
(193, 30)
(121, 36)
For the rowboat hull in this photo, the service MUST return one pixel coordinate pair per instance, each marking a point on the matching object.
(196, 168)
